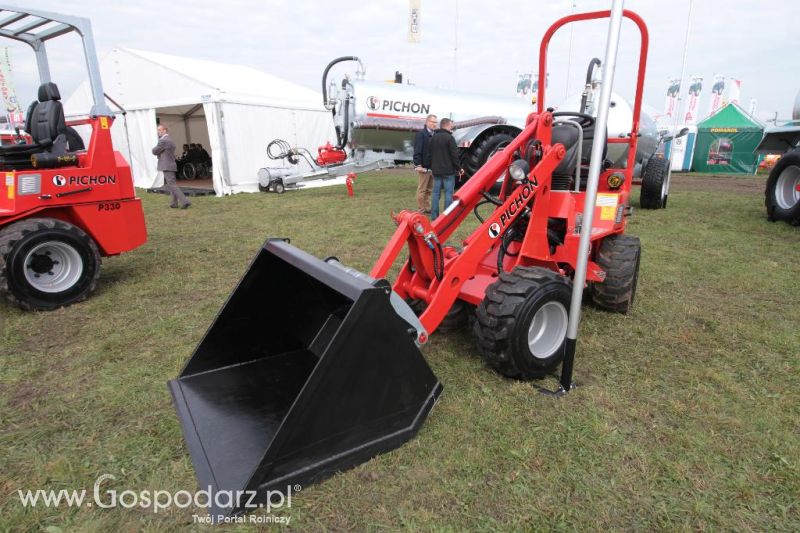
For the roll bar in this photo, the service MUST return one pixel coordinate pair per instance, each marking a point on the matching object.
(637, 103)
(35, 28)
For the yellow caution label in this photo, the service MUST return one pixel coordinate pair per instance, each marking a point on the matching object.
(11, 192)
(104, 123)
(608, 205)
(10, 185)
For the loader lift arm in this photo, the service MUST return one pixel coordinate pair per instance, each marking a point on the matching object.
(438, 275)
(444, 273)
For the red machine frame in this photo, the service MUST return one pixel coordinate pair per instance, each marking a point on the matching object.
(466, 274)
(96, 195)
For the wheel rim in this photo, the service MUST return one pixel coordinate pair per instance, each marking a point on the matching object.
(53, 267)
(786, 193)
(547, 330)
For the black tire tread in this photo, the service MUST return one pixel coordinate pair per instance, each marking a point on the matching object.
(477, 155)
(653, 176)
(496, 316)
(775, 212)
(11, 234)
(619, 257)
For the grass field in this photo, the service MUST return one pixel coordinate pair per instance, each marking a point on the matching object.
(687, 414)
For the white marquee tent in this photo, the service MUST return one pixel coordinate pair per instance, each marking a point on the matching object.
(234, 110)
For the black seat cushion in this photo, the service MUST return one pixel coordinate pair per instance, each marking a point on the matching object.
(568, 136)
(49, 91)
(46, 125)
(29, 115)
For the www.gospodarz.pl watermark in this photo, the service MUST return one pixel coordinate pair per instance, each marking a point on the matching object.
(161, 500)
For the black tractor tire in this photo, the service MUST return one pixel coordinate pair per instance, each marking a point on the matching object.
(478, 154)
(74, 140)
(655, 184)
(455, 319)
(619, 256)
(514, 306)
(278, 187)
(781, 196)
(63, 273)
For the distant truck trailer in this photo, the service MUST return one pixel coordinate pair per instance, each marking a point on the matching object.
(376, 123)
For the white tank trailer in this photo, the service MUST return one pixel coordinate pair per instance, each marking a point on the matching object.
(782, 193)
(376, 123)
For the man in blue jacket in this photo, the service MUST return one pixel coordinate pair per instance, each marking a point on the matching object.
(425, 185)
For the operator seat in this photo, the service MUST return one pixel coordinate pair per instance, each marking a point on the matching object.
(46, 125)
(564, 173)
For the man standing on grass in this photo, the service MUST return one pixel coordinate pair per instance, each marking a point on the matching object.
(165, 151)
(425, 184)
(444, 163)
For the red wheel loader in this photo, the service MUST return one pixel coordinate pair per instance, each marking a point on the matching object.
(63, 206)
(312, 367)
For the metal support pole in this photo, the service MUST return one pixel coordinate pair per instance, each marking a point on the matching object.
(92, 66)
(601, 126)
(680, 98)
(41, 61)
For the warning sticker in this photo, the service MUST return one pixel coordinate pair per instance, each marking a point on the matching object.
(104, 123)
(608, 205)
(9, 178)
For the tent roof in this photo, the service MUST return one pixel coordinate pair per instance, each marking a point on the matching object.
(731, 116)
(230, 78)
(142, 80)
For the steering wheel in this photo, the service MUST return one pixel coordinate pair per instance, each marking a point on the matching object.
(585, 121)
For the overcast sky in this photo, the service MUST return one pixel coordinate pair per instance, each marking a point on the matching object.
(496, 41)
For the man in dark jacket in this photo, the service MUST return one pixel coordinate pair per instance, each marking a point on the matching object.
(444, 164)
(425, 185)
(165, 151)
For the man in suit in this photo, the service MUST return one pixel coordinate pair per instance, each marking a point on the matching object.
(165, 151)
(444, 163)
(425, 185)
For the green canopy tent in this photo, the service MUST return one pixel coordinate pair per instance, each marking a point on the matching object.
(726, 142)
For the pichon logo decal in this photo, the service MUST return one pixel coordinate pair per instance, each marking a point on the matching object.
(59, 180)
(494, 230)
(92, 180)
(398, 106)
(519, 201)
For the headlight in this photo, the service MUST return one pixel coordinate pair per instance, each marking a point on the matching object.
(519, 170)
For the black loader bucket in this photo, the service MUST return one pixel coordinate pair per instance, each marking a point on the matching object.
(306, 371)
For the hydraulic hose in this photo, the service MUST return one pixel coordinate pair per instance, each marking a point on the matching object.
(594, 62)
(325, 77)
(341, 136)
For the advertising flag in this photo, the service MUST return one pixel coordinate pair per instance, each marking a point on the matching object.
(734, 91)
(7, 91)
(716, 94)
(673, 89)
(753, 107)
(414, 21)
(695, 88)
